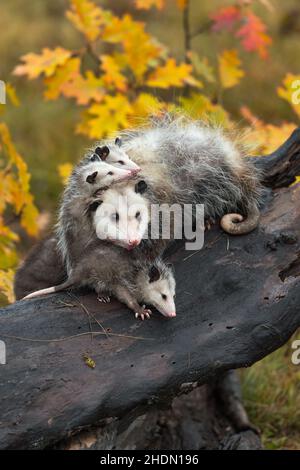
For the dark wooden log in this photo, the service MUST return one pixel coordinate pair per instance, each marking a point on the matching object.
(238, 300)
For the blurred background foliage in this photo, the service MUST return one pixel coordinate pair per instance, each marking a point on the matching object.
(234, 61)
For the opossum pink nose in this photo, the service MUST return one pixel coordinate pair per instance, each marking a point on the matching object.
(172, 314)
(134, 242)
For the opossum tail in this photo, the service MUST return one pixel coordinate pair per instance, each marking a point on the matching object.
(235, 224)
(50, 290)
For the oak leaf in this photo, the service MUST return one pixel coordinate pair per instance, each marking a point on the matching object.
(45, 63)
(230, 69)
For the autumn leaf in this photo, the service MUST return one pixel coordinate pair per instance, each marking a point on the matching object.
(202, 67)
(45, 63)
(112, 77)
(64, 171)
(12, 94)
(84, 89)
(7, 284)
(87, 17)
(103, 119)
(230, 69)
(253, 35)
(64, 74)
(290, 91)
(140, 50)
(147, 4)
(144, 106)
(267, 137)
(171, 74)
(199, 106)
(181, 4)
(225, 18)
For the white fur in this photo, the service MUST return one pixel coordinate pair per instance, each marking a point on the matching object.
(129, 229)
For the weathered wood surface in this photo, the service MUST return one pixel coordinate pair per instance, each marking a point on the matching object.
(237, 301)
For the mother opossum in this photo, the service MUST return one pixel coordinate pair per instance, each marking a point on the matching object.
(190, 162)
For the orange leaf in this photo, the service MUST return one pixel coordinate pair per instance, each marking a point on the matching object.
(84, 89)
(46, 62)
(147, 4)
(66, 73)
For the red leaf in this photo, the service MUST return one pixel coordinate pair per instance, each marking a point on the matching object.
(253, 35)
(225, 18)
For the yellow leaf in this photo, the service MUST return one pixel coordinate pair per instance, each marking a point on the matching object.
(144, 106)
(64, 74)
(112, 77)
(12, 94)
(29, 217)
(170, 74)
(147, 4)
(44, 63)
(199, 106)
(290, 91)
(6, 284)
(139, 47)
(64, 171)
(229, 69)
(87, 17)
(103, 119)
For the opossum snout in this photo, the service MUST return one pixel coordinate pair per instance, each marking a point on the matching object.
(170, 315)
(133, 243)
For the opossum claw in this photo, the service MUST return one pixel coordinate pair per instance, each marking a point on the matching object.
(104, 299)
(144, 313)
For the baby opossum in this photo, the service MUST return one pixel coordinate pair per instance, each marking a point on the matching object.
(96, 171)
(189, 162)
(130, 282)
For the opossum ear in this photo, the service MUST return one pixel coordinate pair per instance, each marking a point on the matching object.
(141, 187)
(103, 152)
(94, 205)
(154, 274)
(92, 178)
(118, 142)
(171, 267)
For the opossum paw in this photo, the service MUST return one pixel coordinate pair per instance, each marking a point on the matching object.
(143, 313)
(104, 299)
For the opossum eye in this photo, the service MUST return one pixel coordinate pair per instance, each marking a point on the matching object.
(115, 217)
(141, 187)
(118, 142)
(103, 152)
(137, 215)
(164, 296)
(95, 158)
(110, 173)
(121, 162)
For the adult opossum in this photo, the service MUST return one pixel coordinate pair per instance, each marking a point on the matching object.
(110, 270)
(190, 162)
